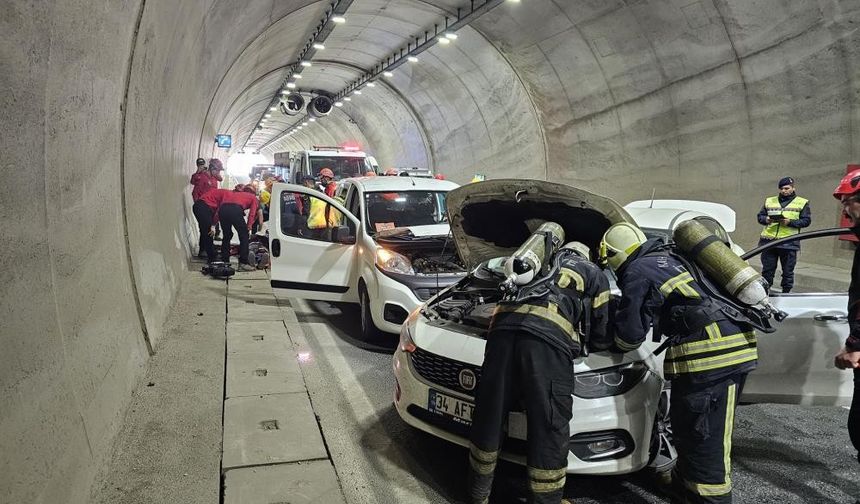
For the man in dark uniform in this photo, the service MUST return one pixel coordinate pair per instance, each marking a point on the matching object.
(848, 193)
(531, 345)
(707, 360)
(782, 215)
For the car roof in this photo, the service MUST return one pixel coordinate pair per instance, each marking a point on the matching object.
(389, 183)
(663, 218)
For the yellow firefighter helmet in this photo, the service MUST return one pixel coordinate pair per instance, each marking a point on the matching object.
(619, 241)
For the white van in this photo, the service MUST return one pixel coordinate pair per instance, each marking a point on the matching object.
(385, 245)
(343, 161)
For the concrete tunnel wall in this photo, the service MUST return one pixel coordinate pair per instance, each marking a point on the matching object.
(105, 107)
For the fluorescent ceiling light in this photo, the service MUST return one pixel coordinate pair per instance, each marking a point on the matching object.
(319, 46)
(312, 119)
(443, 40)
(305, 123)
(412, 59)
(388, 74)
(291, 85)
(451, 35)
(356, 92)
(338, 19)
(338, 104)
(305, 63)
(267, 115)
(347, 99)
(371, 84)
(297, 76)
(273, 108)
(284, 91)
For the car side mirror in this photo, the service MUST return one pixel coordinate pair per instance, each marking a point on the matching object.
(342, 235)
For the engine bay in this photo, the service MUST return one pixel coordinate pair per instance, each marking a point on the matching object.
(471, 301)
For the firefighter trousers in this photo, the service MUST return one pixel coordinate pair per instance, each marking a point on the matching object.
(518, 365)
(703, 417)
(233, 217)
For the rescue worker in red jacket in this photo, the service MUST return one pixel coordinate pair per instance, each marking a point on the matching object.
(531, 344)
(205, 210)
(231, 213)
(848, 193)
(708, 358)
(327, 183)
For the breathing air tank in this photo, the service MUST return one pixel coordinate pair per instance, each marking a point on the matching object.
(722, 265)
(527, 261)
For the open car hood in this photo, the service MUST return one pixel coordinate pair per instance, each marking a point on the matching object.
(493, 218)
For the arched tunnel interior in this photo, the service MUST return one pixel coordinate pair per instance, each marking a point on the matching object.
(106, 104)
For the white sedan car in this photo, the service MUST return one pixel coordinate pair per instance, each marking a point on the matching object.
(620, 420)
(385, 247)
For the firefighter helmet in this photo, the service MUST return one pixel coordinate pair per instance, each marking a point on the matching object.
(849, 185)
(619, 241)
(578, 248)
(326, 172)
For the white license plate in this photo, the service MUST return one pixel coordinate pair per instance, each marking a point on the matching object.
(443, 404)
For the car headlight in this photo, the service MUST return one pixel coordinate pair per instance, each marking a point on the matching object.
(609, 382)
(406, 342)
(392, 262)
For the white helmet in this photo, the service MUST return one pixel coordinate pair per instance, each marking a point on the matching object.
(619, 241)
(578, 248)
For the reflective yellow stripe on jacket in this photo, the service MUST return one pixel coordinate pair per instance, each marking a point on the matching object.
(713, 351)
(791, 211)
(549, 313)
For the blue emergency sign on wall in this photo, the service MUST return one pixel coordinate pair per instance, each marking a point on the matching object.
(224, 141)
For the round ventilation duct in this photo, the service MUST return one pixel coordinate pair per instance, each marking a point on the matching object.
(320, 106)
(292, 104)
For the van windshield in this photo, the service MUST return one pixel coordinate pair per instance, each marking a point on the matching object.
(342, 166)
(389, 210)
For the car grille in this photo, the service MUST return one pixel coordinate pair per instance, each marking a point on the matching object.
(443, 371)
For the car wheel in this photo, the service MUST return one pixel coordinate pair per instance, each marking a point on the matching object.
(662, 454)
(368, 328)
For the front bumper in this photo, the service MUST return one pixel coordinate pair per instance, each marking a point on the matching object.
(394, 296)
(628, 417)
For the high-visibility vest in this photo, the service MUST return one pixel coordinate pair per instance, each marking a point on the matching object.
(322, 215)
(776, 230)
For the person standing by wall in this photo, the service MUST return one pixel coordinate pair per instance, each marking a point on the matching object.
(205, 209)
(200, 181)
(782, 215)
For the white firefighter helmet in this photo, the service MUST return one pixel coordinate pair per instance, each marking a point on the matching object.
(578, 248)
(619, 241)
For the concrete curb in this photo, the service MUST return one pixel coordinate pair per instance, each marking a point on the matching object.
(273, 447)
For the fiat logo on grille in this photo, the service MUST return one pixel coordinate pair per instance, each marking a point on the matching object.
(467, 379)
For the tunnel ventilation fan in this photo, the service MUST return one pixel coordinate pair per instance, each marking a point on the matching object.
(320, 106)
(292, 104)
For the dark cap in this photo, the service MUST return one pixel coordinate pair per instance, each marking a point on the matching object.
(201, 161)
(784, 181)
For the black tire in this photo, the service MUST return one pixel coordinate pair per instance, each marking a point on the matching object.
(369, 331)
(661, 454)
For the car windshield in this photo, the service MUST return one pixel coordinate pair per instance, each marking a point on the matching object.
(342, 166)
(389, 210)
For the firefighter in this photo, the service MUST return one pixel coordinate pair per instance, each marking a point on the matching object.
(532, 342)
(231, 212)
(327, 183)
(848, 193)
(708, 357)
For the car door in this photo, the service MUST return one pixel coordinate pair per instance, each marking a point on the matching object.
(309, 261)
(796, 362)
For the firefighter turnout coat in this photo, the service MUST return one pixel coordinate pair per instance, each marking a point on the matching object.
(654, 284)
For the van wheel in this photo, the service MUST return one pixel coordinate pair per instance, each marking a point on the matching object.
(368, 328)
(662, 454)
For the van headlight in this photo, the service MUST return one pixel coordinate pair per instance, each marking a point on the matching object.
(609, 382)
(392, 262)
